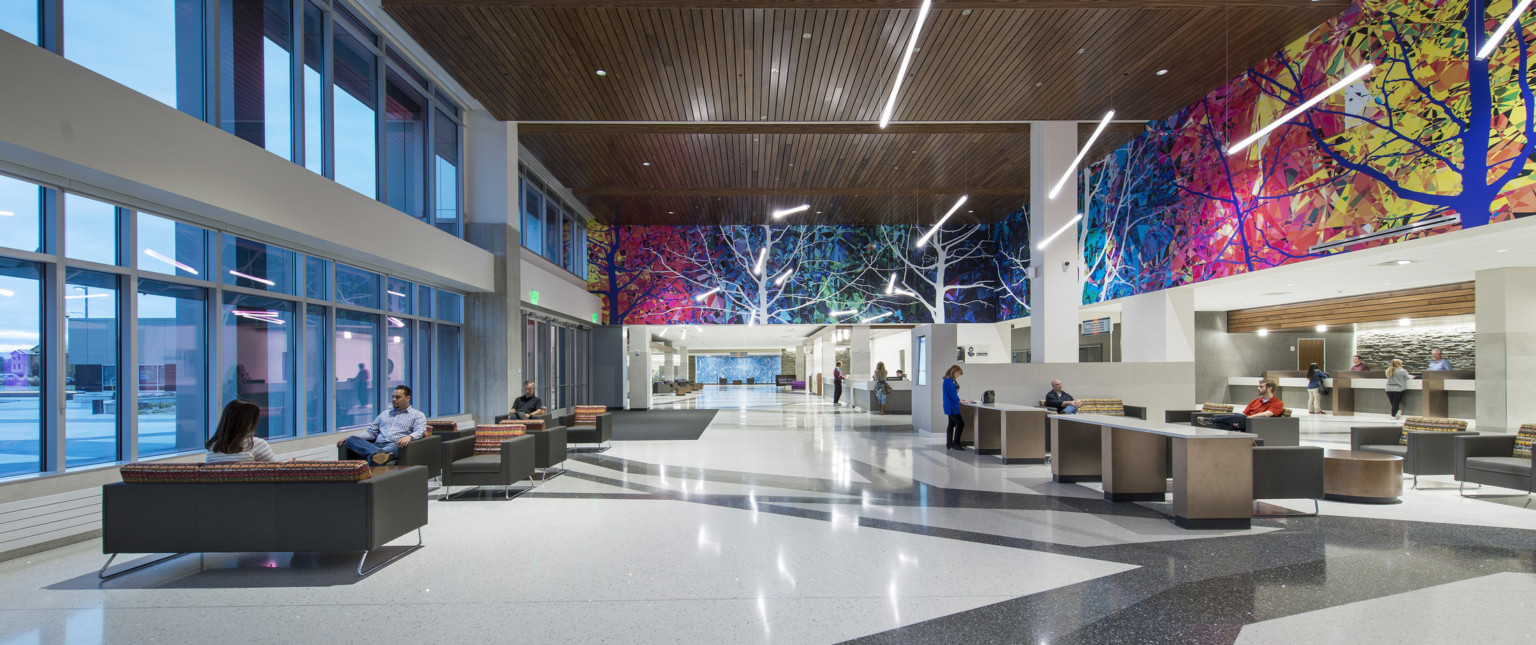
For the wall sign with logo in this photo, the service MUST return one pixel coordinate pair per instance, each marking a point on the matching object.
(1097, 326)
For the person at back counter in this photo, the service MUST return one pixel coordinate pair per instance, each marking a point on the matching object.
(1267, 405)
(1437, 363)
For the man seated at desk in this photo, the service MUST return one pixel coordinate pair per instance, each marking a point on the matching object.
(1058, 399)
(527, 406)
(1267, 405)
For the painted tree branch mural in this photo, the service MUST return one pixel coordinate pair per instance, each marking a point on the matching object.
(938, 269)
(1429, 131)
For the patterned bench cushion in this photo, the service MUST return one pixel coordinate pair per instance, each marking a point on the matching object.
(531, 425)
(1216, 408)
(1111, 407)
(586, 415)
(249, 471)
(1524, 439)
(1429, 424)
(488, 438)
(434, 427)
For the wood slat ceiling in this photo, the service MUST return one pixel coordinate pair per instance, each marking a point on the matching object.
(1441, 300)
(677, 69)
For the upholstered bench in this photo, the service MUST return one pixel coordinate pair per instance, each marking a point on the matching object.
(185, 508)
(1109, 407)
(1188, 416)
(1496, 460)
(1426, 444)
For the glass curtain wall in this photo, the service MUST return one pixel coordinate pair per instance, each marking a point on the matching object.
(551, 227)
(199, 340)
(555, 357)
(256, 72)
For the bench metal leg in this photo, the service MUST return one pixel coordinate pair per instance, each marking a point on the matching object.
(402, 554)
(104, 575)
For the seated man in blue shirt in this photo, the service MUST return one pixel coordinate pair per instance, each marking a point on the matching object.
(392, 430)
(1060, 400)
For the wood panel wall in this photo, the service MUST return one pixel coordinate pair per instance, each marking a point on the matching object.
(1442, 300)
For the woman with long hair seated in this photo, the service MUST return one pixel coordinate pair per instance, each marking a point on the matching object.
(236, 440)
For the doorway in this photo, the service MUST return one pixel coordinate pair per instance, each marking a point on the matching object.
(1309, 351)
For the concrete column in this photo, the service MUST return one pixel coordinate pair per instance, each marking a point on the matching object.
(669, 366)
(859, 352)
(1506, 348)
(682, 364)
(639, 367)
(934, 345)
(1054, 290)
(1158, 327)
(800, 362)
(826, 352)
(493, 347)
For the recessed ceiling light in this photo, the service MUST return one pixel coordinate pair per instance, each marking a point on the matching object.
(970, 211)
(602, 73)
(1402, 262)
(967, 12)
(669, 212)
(1039, 84)
(1162, 72)
(645, 163)
(774, 70)
(1263, 331)
(1503, 250)
(806, 35)
(1403, 322)
(1081, 51)
(1322, 328)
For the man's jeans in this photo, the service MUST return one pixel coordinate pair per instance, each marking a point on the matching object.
(364, 448)
(1238, 422)
(1069, 409)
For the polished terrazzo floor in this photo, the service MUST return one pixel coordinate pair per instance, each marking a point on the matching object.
(792, 521)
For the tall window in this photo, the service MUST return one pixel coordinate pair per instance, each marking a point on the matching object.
(152, 46)
(19, 18)
(258, 359)
(90, 230)
(533, 218)
(357, 287)
(254, 265)
(21, 207)
(314, 88)
(171, 247)
(446, 389)
(397, 354)
(356, 144)
(445, 165)
(422, 396)
(315, 372)
(173, 399)
(21, 354)
(552, 231)
(405, 141)
(356, 344)
(256, 75)
(91, 350)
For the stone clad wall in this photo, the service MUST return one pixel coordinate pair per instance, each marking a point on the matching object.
(1457, 342)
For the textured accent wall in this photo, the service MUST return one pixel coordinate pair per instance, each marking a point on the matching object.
(1458, 343)
(1430, 133)
(711, 368)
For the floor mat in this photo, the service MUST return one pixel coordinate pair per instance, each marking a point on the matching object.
(660, 425)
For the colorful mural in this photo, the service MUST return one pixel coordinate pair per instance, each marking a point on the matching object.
(707, 274)
(710, 368)
(1430, 133)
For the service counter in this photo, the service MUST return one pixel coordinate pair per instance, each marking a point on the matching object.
(1016, 433)
(899, 401)
(1450, 393)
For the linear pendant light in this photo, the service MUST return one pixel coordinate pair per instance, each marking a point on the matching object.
(1498, 34)
(845, 312)
(924, 239)
(1059, 231)
(906, 59)
(791, 211)
(1343, 82)
(1103, 123)
(783, 277)
(762, 258)
(874, 317)
(706, 294)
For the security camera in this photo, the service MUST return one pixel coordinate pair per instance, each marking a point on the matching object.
(1066, 265)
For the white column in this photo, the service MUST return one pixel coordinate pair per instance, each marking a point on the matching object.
(826, 348)
(859, 351)
(1158, 327)
(682, 364)
(800, 362)
(669, 366)
(935, 345)
(1054, 291)
(493, 345)
(1506, 348)
(639, 367)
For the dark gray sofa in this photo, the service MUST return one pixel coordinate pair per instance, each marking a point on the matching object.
(462, 467)
(236, 517)
(1427, 453)
(1489, 460)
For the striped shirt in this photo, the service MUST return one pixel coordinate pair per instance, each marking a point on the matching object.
(255, 450)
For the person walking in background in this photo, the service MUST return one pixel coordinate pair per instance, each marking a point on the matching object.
(1397, 384)
(837, 382)
(881, 387)
(1359, 365)
(952, 403)
(360, 384)
(1315, 376)
(235, 439)
(1437, 363)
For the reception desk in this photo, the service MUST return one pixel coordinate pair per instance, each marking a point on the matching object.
(1212, 469)
(899, 401)
(1430, 389)
(1016, 433)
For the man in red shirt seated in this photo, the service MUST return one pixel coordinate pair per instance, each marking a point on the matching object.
(1267, 405)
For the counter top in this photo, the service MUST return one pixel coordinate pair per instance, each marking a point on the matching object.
(1156, 427)
(1005, 407)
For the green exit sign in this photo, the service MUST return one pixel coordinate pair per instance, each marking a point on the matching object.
(594, 317)
(533, 297)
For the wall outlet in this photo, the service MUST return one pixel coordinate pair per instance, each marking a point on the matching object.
(1293, 348)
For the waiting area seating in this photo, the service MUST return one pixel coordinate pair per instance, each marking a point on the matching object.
(1288, 472)
(1426, 444)
(182, 508)
(1110, 407)
(496, 455)
(426, 452)
(1496, 460)
(589, 424)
